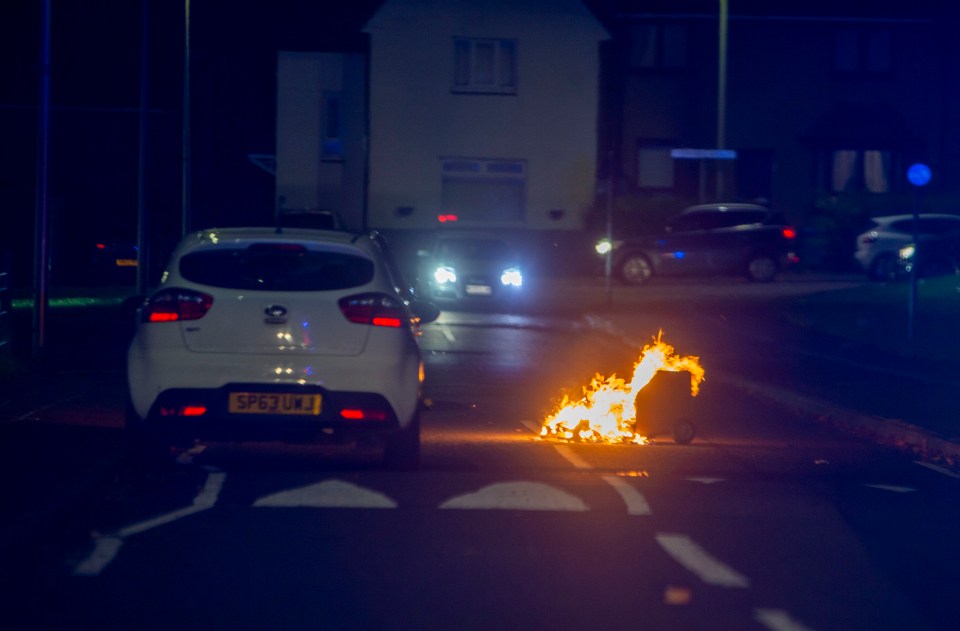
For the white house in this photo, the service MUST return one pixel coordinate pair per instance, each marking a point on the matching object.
(482, 110)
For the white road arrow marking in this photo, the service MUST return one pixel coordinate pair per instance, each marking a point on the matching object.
(327, 494)
(518, 496)
(106, 547)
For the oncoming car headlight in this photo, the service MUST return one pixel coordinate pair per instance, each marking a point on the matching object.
(444, 275)
(603, 246)
(512, 277)
(907, 252)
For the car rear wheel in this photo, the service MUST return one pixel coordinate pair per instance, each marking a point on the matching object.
(635, 269)
(762, 268)
(402, 451)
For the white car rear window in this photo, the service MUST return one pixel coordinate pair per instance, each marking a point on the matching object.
(276, 267)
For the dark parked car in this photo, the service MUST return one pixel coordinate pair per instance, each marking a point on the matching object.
(471, 265)
(709, 239)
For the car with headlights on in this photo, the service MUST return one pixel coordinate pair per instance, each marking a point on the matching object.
(471, 265)
(709, 239)
(878, 246)
(279, 334)
(933, 256)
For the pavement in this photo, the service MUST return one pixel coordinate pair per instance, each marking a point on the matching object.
(60, 423)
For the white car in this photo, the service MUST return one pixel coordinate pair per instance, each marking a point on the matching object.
(297, 335)
(878, 247)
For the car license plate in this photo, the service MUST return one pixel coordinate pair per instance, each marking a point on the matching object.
(479, 290)
(126, 262)
(274, 403)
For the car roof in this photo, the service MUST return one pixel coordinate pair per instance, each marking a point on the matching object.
(723, 207)
(212, 237)
(892, 218)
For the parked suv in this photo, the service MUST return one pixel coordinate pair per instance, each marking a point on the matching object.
(708, 239)
(266, 334)
(878, 246)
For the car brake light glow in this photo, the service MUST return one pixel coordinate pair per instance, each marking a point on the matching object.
(447, 217)
(183, 410)
(790, 233)
(373, 309)
(176, 305)
(354, 414)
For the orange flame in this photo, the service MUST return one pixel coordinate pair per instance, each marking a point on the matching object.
(606, 412)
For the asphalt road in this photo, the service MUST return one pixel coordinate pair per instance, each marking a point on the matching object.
(769, 519)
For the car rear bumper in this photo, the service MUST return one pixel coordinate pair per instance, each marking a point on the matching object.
(185, 414)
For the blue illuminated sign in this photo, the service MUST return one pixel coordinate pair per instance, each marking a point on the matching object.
(919, 174)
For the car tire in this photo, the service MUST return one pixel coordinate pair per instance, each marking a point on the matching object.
(884, 267)
(635, 269)
(762, 268)
(402, 449)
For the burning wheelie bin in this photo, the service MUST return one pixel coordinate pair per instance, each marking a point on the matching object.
(665, 406)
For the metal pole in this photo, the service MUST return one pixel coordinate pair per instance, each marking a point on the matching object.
(721, 95)
(143, 257)
(608, 258)
(186, 218)
(41, 253)
(912, 300)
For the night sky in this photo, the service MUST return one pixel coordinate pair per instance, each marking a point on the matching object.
(94, 122)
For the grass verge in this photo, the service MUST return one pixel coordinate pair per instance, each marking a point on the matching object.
(879, 315)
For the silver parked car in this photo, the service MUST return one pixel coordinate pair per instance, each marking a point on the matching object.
(878, 247)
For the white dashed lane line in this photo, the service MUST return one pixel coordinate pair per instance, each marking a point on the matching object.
(691, 556)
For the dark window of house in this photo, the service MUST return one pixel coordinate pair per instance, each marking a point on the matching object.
(658, 46)
(485, 66)
(332, 144)
(862, 52)
(859, 170)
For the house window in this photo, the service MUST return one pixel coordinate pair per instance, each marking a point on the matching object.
(485, 66)
(862, 52)
(658, 46)
(853, 170)
(478, 190)
(330, 124)
(654, 166)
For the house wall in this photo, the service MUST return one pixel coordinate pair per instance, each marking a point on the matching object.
(415, 119)
(306, 178)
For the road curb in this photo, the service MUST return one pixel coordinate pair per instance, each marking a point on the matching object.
(922, 443)
(892, 432)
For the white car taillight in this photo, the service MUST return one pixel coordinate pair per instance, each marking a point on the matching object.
(176, 305)
(374, 309)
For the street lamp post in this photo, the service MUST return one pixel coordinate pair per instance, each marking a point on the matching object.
(721, 93)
